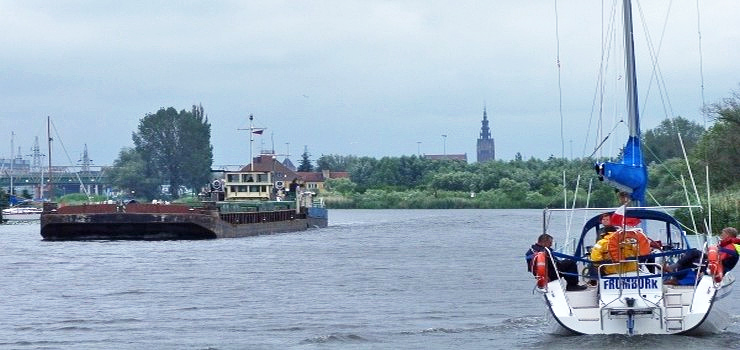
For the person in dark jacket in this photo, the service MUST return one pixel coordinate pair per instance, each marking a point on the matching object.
(544, 242)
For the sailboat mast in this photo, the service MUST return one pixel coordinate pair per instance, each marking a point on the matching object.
(12, 160)
(630, 173)
(631, 74)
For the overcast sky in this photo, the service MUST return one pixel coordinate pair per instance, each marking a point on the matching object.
(367, 78)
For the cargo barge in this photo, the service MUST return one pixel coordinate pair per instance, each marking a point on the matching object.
(206, 220)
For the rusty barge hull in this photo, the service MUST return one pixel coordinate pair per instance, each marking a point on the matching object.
(166, 222)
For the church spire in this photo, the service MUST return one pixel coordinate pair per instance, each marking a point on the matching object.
(486, 148)
(485, 132)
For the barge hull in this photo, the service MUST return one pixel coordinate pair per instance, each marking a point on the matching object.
(188, 225)
(165, 231)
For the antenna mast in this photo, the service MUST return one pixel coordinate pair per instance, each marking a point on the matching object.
(51, 179)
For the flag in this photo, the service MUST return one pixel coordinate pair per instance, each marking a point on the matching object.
(618, 218)
(258, 131)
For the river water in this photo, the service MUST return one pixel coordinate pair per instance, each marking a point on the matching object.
(374, 279)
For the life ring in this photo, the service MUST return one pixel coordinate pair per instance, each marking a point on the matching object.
(630, 237)
(715, 265)
(539, 268)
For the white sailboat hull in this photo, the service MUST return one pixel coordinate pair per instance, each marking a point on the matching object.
(662, 310)
(21, 214)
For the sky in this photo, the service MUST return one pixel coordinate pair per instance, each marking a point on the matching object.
(363, 78)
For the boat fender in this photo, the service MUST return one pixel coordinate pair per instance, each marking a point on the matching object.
(539, 263)
(715, 265)
(631, 237)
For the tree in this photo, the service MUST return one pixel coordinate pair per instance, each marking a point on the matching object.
(720, 147)
(362, 171)
(662, 142)
(197, 149)
(335, 162)
(341, 185)
(131, 175)
(175, 147)
(305, 165)
(729, 110)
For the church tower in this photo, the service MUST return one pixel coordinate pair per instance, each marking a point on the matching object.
(486, 149)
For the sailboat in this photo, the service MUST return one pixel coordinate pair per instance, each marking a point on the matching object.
(19, 210)
(629, 294)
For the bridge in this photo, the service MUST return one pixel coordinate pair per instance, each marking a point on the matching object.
(69, 179)
(65, 179)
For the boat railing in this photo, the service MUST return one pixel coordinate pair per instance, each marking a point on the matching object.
(141, 208)
(604, 209)
(261, 217)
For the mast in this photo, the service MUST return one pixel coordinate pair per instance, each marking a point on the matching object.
(632, 151)
(251, 139)
(12, 160)
(630, 72)
(51, 179)
(630, 173)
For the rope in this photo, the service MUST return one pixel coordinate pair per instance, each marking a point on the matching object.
(606, 42)
(84, 188)
(605, 138)
(701, 63)
(560, 86)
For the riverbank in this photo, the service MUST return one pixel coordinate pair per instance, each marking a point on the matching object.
(725, 205)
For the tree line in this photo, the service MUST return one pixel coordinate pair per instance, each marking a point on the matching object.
(417, 182)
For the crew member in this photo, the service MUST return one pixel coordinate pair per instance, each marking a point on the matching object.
(544, 242)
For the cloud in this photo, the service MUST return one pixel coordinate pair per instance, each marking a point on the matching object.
(380, 76)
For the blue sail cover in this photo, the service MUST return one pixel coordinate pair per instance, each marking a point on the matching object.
(13, 200)
(630, 174)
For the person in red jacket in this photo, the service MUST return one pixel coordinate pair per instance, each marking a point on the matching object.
(728, 254)
(728, 248)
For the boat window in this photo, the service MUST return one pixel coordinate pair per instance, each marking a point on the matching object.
(232, 177)
(263, 178)
(254, 188)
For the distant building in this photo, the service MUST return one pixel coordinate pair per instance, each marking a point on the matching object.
(266, 176)
(314, 181)
(486, 149)
(269, 163)
(288, 164)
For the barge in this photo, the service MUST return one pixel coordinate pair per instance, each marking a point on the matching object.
(206, 220)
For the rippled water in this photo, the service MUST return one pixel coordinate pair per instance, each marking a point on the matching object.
(375, 279)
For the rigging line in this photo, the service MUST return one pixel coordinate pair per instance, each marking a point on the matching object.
(704, 110)
(709, 203)
(84, 188)
(661, 163)
(560, 86)
(701, 63)
(606, 42)
(656, 73)
(688, 201)
(688, 168)
(657, 203)
(605, 138)
(598, 93)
